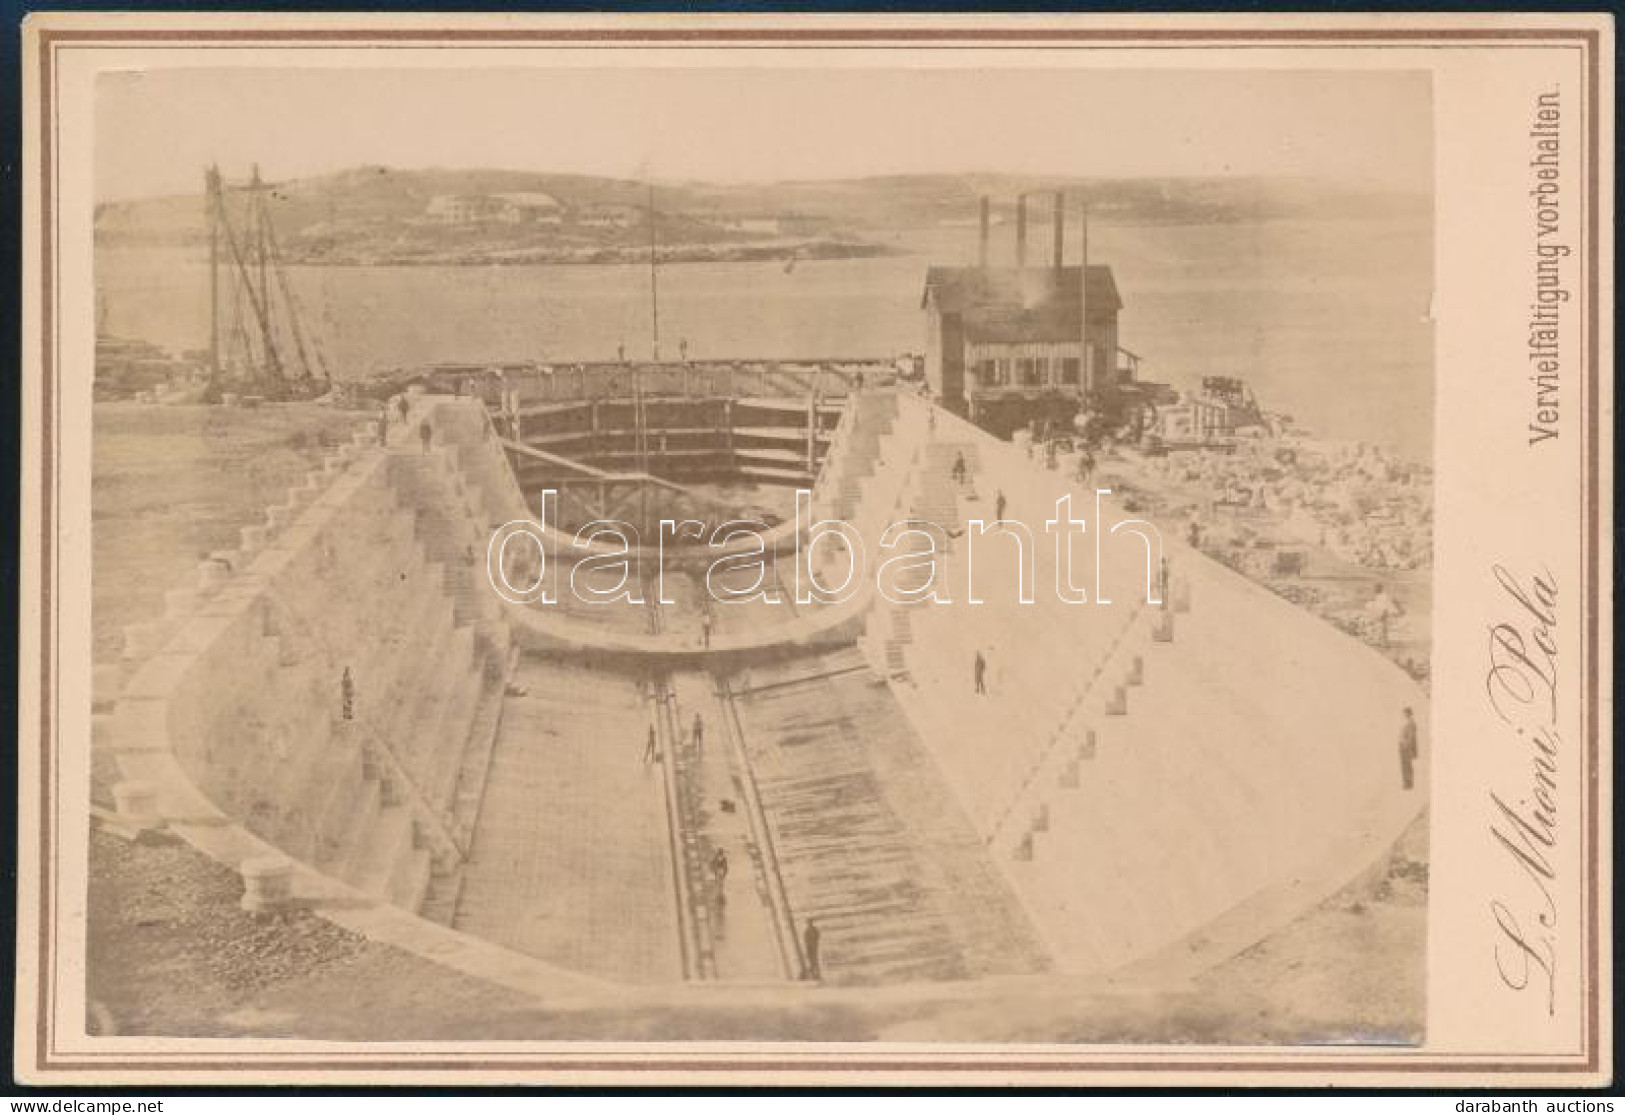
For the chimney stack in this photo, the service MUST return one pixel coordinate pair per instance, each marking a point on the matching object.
(1021, 232)
(986, 220)
(1085, 372)
(1060, 229)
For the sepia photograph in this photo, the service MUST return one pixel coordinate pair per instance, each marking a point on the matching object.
(739, 551)
(759, 572)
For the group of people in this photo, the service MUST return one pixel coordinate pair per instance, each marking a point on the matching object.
(403, 415)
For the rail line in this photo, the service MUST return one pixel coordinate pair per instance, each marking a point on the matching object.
(791, 961)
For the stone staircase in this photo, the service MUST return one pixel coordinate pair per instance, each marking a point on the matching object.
(857, 451)
(933, 496)
(451, 536)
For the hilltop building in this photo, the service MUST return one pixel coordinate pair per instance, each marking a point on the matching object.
(512, 208)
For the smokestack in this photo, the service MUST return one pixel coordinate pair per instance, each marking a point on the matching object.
(1060, 228)
(1085, 372)
(986, 221)
(1021, 232)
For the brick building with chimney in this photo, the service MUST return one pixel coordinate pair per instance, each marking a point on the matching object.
(1009, 347)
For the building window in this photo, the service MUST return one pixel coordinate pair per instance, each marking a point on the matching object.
(986, 373)
(1032, 372)
(1069, 369)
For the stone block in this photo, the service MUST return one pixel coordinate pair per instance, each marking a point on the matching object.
(267, 884)
(1117, 702)
(1162, 630)
(105, 683)
(211, 574)
(136, 806)
(1069, 775)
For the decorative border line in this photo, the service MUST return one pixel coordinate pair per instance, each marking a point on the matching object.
(50, 40)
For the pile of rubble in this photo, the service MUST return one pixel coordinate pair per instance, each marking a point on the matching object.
(1352, 500)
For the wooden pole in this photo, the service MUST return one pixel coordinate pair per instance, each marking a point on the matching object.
(654, 280)
(211, 180)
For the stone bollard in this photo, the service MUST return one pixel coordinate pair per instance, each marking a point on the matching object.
(136, 804)
(1117, 703)
(1162, 631)
(180, 602)
(143, 640)
(267, 884)
(1136, 671)
(1086, 750)
(1069, 775)
(253, 539)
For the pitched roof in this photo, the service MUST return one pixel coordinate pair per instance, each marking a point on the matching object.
(1004, 304)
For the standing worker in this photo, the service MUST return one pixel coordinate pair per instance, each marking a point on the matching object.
(699, 731)
(425, 434)
(959, 468)
(651, 752)
(1408, 750)
(705, 631)
(981, 674)
(998, 507)
(809, 943)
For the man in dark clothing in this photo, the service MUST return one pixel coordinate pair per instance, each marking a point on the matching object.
(981, 674)
(651, 749)
(809, 944)
(699, 731)
(347, 694)
(719, 870)
(1408, 750)
(425, 434)
(959, 468)
(1162, 582)
(998, 508)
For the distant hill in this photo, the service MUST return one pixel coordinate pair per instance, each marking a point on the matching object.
(381, 214)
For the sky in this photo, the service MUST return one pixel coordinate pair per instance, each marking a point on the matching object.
(157, 129)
